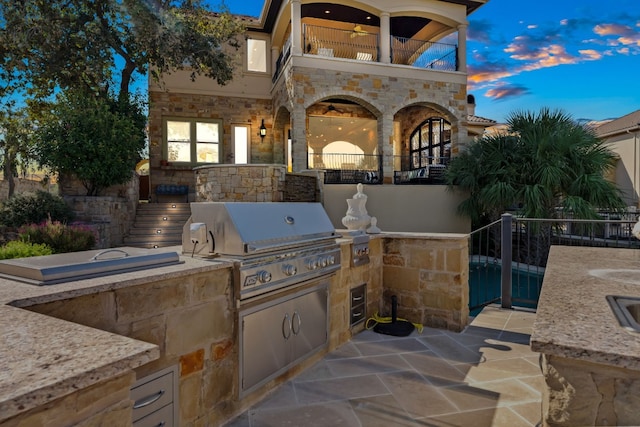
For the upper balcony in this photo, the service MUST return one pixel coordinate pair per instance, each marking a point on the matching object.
(414, 38)
(358, 45)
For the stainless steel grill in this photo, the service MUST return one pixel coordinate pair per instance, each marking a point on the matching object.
(273, 245)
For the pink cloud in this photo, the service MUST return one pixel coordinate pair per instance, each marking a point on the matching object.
(590, 55)
(506, 91)
(613, 29)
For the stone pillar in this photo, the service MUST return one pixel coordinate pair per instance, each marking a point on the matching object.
(462, 48)
(296, 27)
(298, 139)
(385, 38)
(385, 138)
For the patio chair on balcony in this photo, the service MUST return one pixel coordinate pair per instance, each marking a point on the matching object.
(325, 51)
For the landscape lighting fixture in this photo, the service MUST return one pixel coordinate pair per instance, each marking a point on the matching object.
(263, 130)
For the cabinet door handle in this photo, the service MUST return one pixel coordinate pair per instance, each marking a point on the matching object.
(286, 326)
(293, 328)
(146, 401)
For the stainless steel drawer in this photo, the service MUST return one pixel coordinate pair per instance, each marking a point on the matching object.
(358, 304)
(163, 417)
(153, 392)
(358, 295)
(357, 314)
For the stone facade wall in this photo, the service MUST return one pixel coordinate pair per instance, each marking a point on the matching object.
(580, 393)
(384, 96)
(240, 183)
(430, 277)
(230, 110)
(104, 404)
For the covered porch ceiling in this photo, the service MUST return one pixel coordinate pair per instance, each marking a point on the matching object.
(402, 26)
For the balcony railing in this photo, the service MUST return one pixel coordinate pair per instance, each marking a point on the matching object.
(348, 168)
(282, 59)
(424, 54)
(364, 46)
(331, 42)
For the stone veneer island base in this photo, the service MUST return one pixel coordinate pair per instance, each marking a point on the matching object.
(590, 364)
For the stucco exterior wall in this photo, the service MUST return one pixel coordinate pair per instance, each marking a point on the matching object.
(627, 170)
(401, 208)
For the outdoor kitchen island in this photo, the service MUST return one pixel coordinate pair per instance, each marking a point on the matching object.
(590, 363)
(71, 352)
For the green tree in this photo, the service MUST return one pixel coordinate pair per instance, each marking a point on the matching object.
(96, 45)
(544, 161)
(16, 154)
(95, 139)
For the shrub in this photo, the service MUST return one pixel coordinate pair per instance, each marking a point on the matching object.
(20, 249)
(60, 237)
(34, 208)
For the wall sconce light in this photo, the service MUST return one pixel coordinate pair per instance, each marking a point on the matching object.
(263, 130)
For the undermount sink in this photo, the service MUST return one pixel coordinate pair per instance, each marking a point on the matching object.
(626, 310)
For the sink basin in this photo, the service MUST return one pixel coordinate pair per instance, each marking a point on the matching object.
(626, 310)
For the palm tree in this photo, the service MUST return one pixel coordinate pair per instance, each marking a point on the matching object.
(543, 162)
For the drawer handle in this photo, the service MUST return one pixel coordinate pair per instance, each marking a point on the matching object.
(358, 314)
(146, 401)
(358, 298)
(161, 424)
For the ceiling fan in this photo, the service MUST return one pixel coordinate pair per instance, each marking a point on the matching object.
(332, 108)
(358, 31)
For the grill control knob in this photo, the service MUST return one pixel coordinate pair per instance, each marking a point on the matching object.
(331, 260)
(312, 264)
(324, 261)
(289, 269)
(264, 276)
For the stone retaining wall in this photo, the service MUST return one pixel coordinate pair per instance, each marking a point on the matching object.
(23, 186)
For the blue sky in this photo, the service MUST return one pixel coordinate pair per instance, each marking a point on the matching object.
(581, 56)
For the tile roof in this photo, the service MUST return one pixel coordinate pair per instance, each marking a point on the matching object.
(477, 120)
(624, 123)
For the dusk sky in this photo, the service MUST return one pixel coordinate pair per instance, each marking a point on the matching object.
(581, 56)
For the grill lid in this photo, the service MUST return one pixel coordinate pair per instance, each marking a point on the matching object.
(240, 229)
(58, 268)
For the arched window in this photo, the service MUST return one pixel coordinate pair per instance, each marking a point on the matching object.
(430, 143)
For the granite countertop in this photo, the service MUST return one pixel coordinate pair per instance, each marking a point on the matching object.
(574, 319)
(43, 358)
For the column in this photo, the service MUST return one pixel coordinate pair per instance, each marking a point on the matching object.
(385, 38)
(298, 138)
(275, 51)
(296, 27)
(462, 48)
(385, 136)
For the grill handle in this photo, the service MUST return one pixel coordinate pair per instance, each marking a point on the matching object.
(97, 256)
